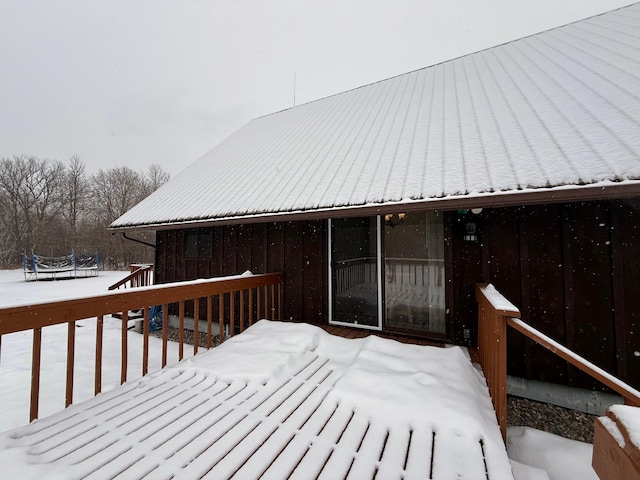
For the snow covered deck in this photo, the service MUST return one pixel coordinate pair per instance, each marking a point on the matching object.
(281, 400)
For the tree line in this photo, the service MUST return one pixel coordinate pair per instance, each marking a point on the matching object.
(50, 208)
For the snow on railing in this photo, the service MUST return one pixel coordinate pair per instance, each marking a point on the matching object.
(616, 444)
(631, 395)
(495, 313)
(233, 302)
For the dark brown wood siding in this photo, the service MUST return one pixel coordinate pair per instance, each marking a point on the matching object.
(572, 269)
(296, 248)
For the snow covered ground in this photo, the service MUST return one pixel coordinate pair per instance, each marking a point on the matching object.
(557, 457)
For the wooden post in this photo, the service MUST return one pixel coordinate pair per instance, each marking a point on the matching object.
(258, 304)
(266, 302)
(209, 320)
(165, 332)
(250, 306)
(232, 313)
(181, 331)
(273, 302)
(35, 373)
(124, 347)
(196, 323)
(221, 317)
(145, 340)
(71, 346)
(97, 388)
(241, 311)
(615, 455)
(492, 347)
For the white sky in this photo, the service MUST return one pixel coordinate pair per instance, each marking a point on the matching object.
(156, 81)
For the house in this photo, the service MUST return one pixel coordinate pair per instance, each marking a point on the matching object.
(384, 205)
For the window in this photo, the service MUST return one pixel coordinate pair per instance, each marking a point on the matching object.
(191, 244)
(198, 243)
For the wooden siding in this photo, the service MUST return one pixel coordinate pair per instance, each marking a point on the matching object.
(572, 269)
(296, 248)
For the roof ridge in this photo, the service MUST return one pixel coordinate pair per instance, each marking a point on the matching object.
(446, 61)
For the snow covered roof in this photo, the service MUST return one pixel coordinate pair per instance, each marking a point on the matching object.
(556, 109)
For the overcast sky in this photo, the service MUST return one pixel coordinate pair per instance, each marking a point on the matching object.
(138, 82)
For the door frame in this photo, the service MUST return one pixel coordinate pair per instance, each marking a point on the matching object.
(379, 279)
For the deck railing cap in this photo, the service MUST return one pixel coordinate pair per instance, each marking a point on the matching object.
(497, 300)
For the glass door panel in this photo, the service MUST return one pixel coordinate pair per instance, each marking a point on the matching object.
(355, 296)
(414, 272)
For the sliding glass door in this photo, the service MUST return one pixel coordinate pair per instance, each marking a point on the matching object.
(388, 271)
(414, 288)
(355, 260)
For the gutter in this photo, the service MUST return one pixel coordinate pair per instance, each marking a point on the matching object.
(124, 235)
(536, 196)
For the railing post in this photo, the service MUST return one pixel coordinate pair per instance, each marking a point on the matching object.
(209, 321)
(221, 318)
(251, 309)
(615, 454)
(71, 346)
(124, 346)
(98, 360)
(493, 311)
(165, 332)
(35, 373)
(145, 340)
(180, 330)
(196, 324)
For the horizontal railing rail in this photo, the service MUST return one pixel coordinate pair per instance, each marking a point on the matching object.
(630, 395)
(140, 276)
(240, 300)
(495, 314)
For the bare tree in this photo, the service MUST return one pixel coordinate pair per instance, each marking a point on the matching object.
(40, 197)
(155, 178)
(12, 219)
(53, 207)
(75, 190)
(30, 200)
(115, 191)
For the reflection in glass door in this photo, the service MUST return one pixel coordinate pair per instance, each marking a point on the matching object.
(414, 272)
(355, 298)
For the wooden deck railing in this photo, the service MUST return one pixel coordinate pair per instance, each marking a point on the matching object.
(495, 313)
(240, 300)
(616, 448)
(140, 276)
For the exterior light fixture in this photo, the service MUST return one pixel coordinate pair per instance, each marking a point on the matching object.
(394, 219)
(470, 232)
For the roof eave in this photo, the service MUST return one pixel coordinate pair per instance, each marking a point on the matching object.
(511, 198)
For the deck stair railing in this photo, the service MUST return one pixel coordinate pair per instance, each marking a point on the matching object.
(233, 302)
(140, 276)
(495, 314)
